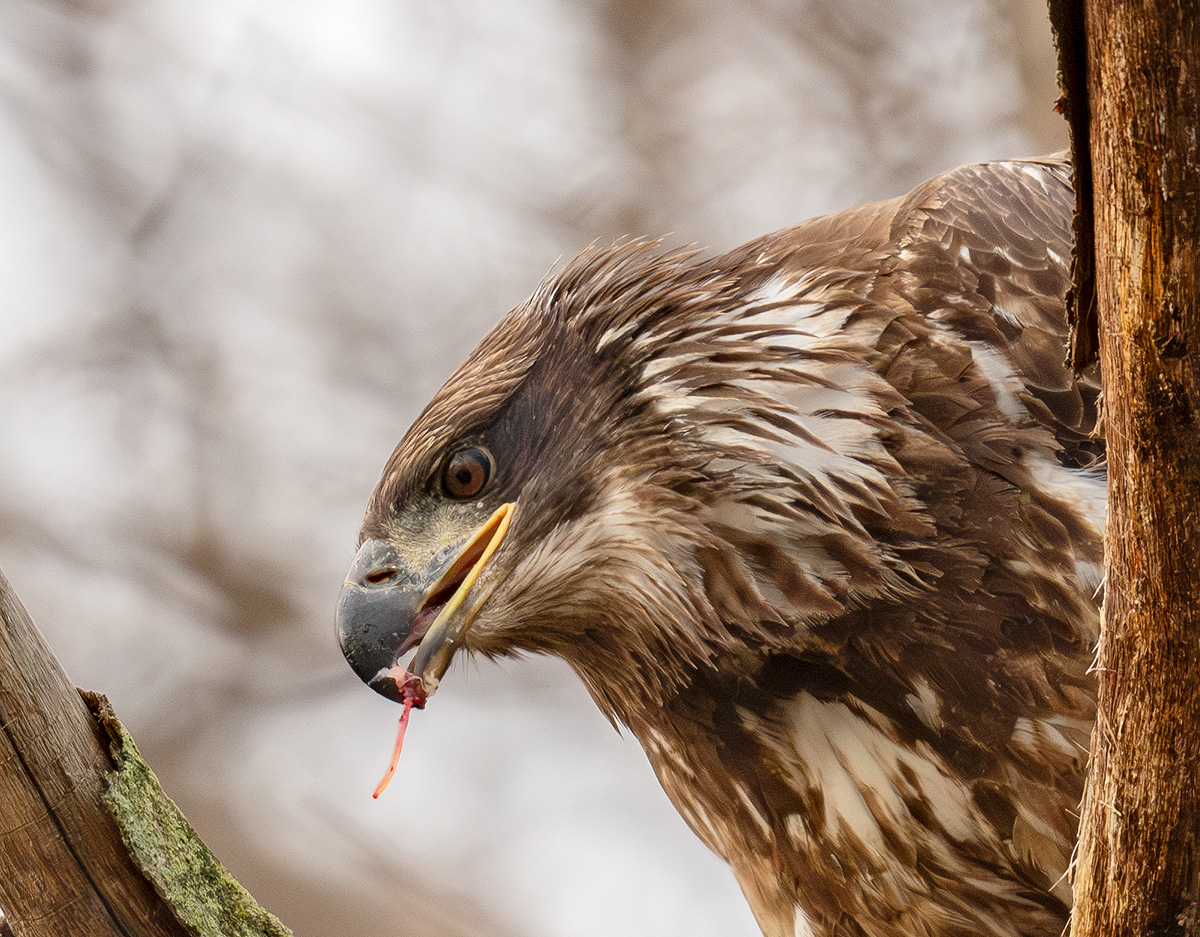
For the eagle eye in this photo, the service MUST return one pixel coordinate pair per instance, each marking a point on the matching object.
(466, 472)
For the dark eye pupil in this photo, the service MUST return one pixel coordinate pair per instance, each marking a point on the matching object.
(466, 473)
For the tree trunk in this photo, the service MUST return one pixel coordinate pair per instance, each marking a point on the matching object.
(1138, 866)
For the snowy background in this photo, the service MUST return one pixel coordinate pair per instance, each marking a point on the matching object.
(243, 241)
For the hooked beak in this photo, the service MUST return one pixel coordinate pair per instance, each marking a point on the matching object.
(386, 609)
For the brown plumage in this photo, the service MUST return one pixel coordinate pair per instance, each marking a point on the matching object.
(819, 520)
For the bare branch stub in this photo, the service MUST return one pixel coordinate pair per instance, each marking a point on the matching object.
(64, 869)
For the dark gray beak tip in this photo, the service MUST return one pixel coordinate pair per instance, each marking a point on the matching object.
(387, 686)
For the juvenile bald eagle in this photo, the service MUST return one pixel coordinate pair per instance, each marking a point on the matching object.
(819, 520)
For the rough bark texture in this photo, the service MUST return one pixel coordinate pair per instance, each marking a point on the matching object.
(1138, 869)
(89, 844)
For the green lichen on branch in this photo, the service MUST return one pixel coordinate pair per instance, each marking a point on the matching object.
(206, 899)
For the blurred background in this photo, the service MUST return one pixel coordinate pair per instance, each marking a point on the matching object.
(243, 241)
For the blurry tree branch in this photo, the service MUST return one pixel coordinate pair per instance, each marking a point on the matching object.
(89, 844)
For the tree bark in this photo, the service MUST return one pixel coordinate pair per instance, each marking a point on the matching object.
(1138, 866)
(89, 844)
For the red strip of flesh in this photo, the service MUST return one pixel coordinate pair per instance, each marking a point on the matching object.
(412, 691)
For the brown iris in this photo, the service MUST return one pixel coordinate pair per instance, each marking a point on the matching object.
(466, 472)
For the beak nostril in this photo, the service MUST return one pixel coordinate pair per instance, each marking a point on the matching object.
(378, 577)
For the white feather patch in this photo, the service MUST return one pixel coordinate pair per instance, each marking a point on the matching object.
(803, 927)
(858, 769)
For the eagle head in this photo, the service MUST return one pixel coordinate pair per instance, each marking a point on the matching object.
(560, 493)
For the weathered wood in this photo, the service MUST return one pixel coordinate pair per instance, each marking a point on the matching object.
(89, 843)
(1138, 870)
(63, 866)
